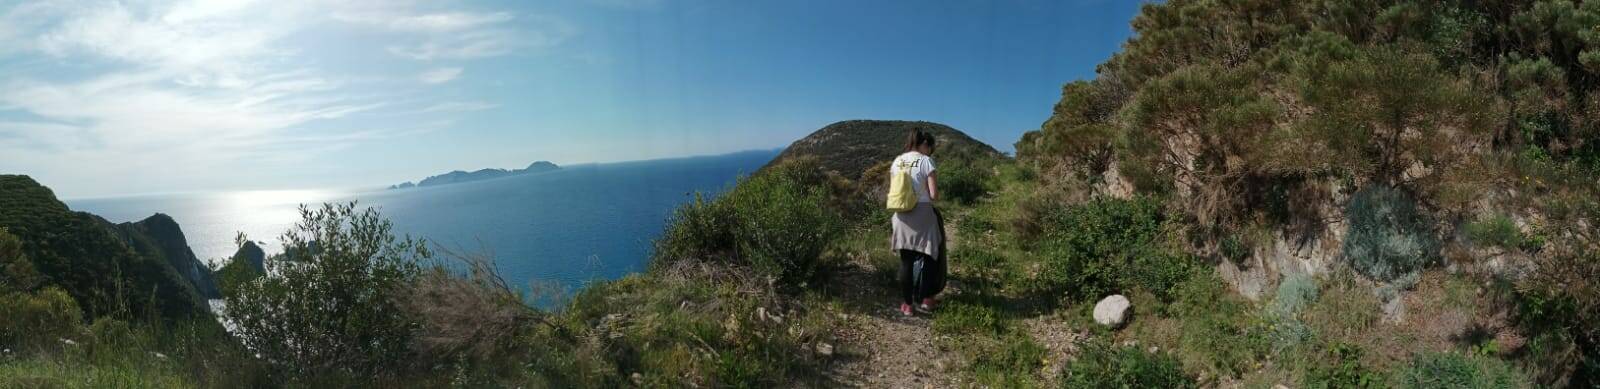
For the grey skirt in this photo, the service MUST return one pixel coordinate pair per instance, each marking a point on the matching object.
(917, 230)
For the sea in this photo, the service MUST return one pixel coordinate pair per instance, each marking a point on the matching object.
(563, 228)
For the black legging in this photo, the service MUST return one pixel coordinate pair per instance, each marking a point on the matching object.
(910, 289)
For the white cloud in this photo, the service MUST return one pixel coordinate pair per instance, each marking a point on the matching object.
(461, 106)
(439, 76)
(98, 89)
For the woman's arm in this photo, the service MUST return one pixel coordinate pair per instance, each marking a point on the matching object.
(933, 186)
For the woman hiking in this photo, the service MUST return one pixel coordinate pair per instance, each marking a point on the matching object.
(918, 230)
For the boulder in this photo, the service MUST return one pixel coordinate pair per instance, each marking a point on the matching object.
(1112, 311)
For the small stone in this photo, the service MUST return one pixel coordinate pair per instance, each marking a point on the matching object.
(1154, 349)
(1112, 311)
(638, 379)
(159, 355)
(69, 342)
(825, 349)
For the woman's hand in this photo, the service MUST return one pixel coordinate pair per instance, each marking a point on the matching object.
(933, 187)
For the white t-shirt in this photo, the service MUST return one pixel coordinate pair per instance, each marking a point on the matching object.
(920, 167)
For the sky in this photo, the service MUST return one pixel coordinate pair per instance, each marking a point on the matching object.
(107, 98)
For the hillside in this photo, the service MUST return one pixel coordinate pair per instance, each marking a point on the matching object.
(851, 147)
(133, 267)
(459, 176)
(1330, 194)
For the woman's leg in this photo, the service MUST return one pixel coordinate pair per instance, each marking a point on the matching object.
(908, 259)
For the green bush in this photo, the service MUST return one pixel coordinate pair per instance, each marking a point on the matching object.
(1388, 239)
(39, 318)
(962, 182)
(701, 229)
(1500, 231)
(778, 221)
(1110, 246)
(1453, 370)
(784, 220)
(1219, 330)
(1101, 365)
(330, 307)
(1342, 368)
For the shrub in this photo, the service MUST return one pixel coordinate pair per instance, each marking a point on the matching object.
(1220, 331)
(1101, 365)
(701, 229)
(783, 220)
(38, 318)
(1388, 239)
(1295, 292)
(1108, 246)
(1500, 231)
(1452, 370)
(330, 306)
(962, 182)
(1342, 369)
(17, 273)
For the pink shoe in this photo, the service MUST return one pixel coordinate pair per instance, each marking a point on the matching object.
(905, 309)
(927, 304)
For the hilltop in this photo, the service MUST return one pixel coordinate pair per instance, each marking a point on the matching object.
(851, 147)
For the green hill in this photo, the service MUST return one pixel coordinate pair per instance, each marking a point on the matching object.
(107, 268)
(850, 147)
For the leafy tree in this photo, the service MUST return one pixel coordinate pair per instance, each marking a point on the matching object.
(329, 306)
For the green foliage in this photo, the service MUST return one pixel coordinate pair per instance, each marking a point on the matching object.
(784, 221)
(962, 181)
(699, 229)
(1101, 365)
(1219, 330)
(1388, 239)
(81, 254)
(778, 222)
(1453, 370)
(331, 306)
(17, 273)
(965, 318)
(1295, 292)
(39, 318)
(1342, 369)
(1110, 246)
(1010, 362)
(1500, 231)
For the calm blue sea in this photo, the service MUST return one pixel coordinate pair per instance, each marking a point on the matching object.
(580, 223)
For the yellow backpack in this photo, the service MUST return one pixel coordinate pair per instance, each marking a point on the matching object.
(902, 194)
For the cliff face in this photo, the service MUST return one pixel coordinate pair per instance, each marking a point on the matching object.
(851, 147)
(105, 267)
(159, 236)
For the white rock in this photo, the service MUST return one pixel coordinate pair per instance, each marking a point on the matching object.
(1112, 311)
(825, 349)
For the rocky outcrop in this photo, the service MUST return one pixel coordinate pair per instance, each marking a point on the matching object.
(159, 236)
(252, 255)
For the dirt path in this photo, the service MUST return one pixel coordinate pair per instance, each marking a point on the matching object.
(880, 347)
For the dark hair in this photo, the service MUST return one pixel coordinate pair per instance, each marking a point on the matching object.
(918, 137)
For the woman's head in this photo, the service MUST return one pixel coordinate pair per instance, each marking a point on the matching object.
(920, 141)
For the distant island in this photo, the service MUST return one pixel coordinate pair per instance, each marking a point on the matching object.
(459, 176)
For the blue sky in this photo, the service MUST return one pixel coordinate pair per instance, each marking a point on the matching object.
(106, 98)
